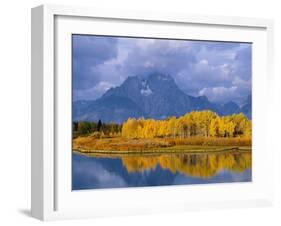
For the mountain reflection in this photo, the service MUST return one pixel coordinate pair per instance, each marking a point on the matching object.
(203, 165)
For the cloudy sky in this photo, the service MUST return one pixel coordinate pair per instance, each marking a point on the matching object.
(219, 70)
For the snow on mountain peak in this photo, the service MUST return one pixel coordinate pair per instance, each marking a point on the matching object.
(145, 90)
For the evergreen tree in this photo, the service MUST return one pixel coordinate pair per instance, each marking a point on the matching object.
(99, 125)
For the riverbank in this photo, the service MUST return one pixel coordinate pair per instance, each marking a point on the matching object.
(186, 150)
(119, 145)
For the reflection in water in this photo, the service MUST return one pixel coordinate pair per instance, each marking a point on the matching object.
(199, 165)
(109, 171)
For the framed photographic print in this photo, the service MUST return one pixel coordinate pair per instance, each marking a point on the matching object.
(140, 112)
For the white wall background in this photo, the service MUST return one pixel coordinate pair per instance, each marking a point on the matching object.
(15, 111)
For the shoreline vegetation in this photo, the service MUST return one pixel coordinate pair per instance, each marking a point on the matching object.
(195, 132)
(159, 145)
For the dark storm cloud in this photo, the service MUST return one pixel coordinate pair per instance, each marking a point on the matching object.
(88, 53)
(219, 70)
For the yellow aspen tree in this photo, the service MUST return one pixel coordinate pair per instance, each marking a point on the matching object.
(214, 127)
(172, 126)
(222, 127)
(248, 130)
(230, 126)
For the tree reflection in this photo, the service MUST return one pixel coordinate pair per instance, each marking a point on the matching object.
(203, 165)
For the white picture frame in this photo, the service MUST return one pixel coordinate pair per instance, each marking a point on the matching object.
(51, 196)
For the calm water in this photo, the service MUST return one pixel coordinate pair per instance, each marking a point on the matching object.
(109, 171)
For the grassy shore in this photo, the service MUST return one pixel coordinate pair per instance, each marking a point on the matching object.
(122, 145)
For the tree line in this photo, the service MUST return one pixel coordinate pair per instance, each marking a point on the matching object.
(196, 123)
(97, 129)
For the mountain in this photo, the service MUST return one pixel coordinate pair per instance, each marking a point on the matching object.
(247, 107)
(158, 95)
(229, 108)
(155, 96)
(108, 109)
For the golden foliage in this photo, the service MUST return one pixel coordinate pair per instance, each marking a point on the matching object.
(196, 123)
(203, 128)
